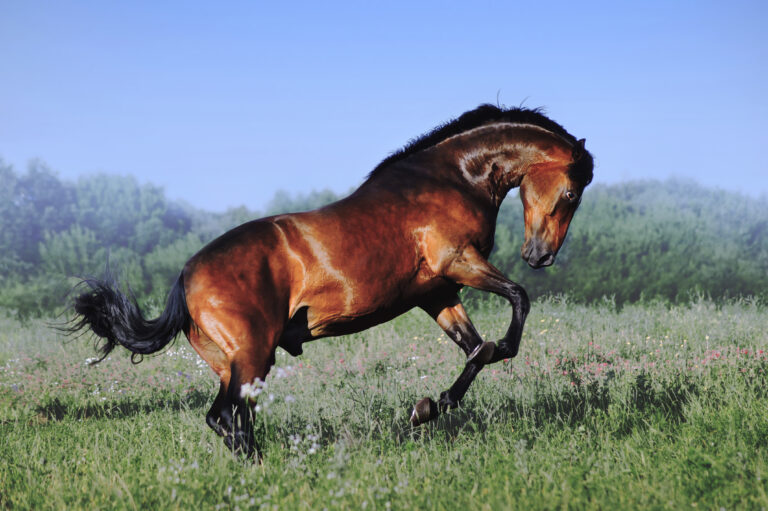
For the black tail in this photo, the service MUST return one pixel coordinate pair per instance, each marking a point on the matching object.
(117, 319)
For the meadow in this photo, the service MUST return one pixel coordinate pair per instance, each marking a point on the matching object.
(641, 407)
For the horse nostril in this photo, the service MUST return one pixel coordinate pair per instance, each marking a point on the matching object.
(542, 260)
(547, 259)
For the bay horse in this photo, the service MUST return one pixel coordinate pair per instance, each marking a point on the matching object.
(418, 229)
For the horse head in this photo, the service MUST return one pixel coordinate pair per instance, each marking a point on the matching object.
(551, 192)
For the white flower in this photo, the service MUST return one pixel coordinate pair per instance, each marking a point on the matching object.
(252, 390)
(283, 372)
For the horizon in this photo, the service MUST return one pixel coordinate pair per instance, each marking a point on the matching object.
(227, 107)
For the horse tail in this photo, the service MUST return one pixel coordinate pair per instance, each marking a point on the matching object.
(117, 319)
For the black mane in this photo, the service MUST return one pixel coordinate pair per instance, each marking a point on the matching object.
(580, 171)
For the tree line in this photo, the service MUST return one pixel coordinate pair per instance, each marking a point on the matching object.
(631, 241)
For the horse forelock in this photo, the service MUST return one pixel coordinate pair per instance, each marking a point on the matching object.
(582, 170)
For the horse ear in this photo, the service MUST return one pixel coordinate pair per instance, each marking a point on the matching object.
(578, 149)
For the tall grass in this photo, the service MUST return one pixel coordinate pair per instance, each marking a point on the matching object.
(646, 407)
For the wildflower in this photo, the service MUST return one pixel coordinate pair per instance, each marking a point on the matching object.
(281, 372)
(252, 390)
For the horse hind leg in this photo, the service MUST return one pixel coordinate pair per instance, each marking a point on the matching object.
(247, 345)
(219, 417)
(250, 364)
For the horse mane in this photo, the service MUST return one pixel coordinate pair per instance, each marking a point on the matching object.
(580, 171)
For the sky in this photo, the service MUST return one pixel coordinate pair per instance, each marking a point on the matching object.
(224, 104)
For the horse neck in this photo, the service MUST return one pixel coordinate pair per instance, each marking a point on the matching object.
(495, 158)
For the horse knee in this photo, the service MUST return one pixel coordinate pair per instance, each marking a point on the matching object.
(518, 297)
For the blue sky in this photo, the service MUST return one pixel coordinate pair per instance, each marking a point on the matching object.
(223, 104)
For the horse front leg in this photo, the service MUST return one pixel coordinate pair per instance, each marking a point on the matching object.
(473, 270)
(470, 268)
(450, 314)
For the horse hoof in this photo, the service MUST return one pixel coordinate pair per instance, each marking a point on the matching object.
(482, 354)
(424, 411)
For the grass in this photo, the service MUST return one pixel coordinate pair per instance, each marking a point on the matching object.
(647, 407)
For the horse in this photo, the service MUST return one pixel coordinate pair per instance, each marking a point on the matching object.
(419, 228)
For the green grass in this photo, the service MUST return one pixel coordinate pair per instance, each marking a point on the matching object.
(649, 407)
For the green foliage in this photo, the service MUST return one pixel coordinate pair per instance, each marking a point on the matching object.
(164, 263)
(51, 230)
(631, 241)
(70, 252)
(30, 204)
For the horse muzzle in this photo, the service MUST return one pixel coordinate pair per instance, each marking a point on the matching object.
(538, 256)
(541, 261)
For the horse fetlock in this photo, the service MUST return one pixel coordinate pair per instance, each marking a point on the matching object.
(447, 402)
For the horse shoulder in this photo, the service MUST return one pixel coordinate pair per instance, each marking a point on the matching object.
(444, 235)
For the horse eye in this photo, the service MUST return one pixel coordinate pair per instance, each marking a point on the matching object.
(570, 196)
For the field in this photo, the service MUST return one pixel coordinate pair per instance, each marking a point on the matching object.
(645, 407)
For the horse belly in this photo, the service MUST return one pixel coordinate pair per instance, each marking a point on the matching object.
(326, 316)
(344, 325)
